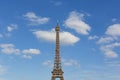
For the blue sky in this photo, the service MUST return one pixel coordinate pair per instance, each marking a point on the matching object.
(90, 39)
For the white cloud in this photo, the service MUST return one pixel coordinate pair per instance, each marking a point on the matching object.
(113, 30)
(31, 51)
(27, 56)
(105, 40)
(66, 38)
(75, 21)
(9, 49)
(70, 62)
(93, 37)
(34, 19)
(109, 50)
(25, 53)
(12, 27)
(110, 42)
(113, 45)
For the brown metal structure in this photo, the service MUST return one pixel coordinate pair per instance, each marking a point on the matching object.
(57, 71)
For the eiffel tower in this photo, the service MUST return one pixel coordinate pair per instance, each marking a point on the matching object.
(57, 70)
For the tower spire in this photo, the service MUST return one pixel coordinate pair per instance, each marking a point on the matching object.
(57, 71)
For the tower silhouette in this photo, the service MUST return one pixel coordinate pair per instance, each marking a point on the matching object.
(57, 70)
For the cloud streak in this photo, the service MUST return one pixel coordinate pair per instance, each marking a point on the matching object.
(65, 62)
(34, 19)
(12, 27)
(93, 37)
(71, 62)
(27, 53)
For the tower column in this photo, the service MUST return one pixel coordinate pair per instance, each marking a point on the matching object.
(57, 71)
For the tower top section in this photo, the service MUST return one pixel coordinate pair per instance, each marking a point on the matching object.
(57, 27)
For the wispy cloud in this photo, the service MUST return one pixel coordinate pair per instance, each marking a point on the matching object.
(93, 37)
(25, 53)
(111, 41)
(108, 50)
(9, 29)
(28, 53)
(56, 3)
(99, 72)
(31, 51)
(105, 40)
(114, 66)
(12, 27)
(34, 19)
(3, 70)
(75, 21)
(71, 62)
(9, 49)
(66, 38)
(48, 63)
(65, 62)
(27, 56)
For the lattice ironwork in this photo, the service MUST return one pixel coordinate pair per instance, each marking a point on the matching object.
(57, 70)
